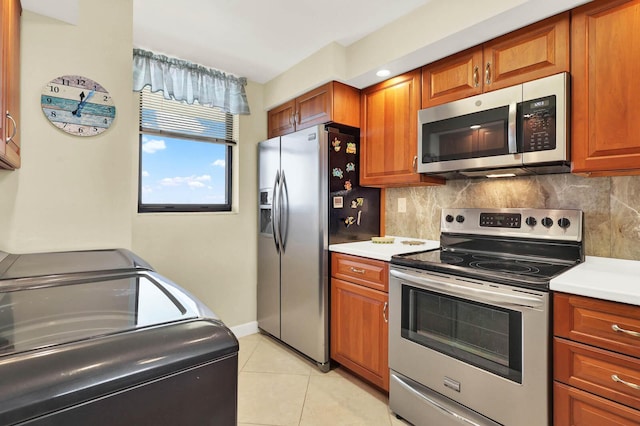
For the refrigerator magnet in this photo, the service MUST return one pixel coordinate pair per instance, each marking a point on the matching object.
(336, 144)
(337, 172)
(351, 147)
(338, 202)
(358, 202)
(359, 217)
(347, 185)
(351, 167)
(349, 221)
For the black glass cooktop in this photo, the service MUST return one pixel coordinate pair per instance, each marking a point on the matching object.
(500, 268)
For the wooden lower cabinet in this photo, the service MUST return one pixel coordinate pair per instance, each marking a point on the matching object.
(574, 407)
(359, 328)
(596, 362)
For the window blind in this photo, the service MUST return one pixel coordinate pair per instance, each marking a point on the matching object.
(172, 118)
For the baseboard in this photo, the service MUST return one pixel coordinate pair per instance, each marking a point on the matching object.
(245, 329)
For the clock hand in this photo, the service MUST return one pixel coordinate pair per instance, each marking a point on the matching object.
(83, 101)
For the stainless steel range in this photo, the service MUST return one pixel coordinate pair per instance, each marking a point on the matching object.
(469, 334)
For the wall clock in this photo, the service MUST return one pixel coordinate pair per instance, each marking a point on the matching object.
(78, 105)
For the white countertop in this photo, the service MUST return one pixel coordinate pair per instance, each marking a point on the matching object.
(383, 251)
(616, 280)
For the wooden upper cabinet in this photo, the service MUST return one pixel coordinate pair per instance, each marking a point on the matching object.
(605, 63)
(332, 102)
(452, 78)
(10, 90)
(536, 51)
(389, 133)
(280, 119)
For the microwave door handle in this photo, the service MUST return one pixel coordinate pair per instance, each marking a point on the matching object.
(511, 136)
(443, 286)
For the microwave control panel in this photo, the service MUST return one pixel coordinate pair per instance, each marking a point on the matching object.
(539, 124)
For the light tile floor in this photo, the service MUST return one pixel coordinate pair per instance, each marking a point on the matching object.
(276, 386)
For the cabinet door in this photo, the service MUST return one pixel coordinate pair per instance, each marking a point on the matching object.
(536, 51)
(452, 78)
(314, 107)
(359, 331)
(281, 119)
(605, 64)
(609, 325)
(11, 83)
(575, 407)
(389, 134)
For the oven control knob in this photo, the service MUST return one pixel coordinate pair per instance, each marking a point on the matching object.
(449, 218)
(459, 218)
(531, 221)
(547, 222)
(564, 223)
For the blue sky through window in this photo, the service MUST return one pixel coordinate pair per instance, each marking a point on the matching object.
(182, 171)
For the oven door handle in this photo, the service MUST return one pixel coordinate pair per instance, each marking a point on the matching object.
(493, 297)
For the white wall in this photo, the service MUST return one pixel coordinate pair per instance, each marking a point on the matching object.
(72, 192)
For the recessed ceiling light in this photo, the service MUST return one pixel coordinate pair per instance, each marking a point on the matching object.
(383, 73)
(501, 175)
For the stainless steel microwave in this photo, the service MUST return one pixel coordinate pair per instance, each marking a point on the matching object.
(517, 130)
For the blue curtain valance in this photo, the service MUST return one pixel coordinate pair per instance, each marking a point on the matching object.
(185, 81)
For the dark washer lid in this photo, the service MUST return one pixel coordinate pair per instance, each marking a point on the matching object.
(56, 263)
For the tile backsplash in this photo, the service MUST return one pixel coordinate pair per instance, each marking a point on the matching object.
(611, 206)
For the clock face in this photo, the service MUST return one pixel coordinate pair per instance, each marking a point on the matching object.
(78, 105)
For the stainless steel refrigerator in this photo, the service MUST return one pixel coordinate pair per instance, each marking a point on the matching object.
(309, 197)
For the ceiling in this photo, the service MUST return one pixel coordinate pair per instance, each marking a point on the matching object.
(257, 39)
(260, 39)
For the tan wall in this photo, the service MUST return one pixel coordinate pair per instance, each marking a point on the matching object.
(611, 206)
(72, 192)
(78, 193)
(213, 255)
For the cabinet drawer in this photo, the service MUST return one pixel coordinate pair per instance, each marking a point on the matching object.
(575, 407)
(592, 369)
(609, 325)
(367, 272)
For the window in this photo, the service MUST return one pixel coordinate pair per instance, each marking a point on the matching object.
(185, 156)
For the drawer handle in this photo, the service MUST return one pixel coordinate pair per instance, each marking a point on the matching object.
(615, 327)
(615, 378)
(357, 271)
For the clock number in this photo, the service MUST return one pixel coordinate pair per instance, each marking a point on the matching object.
(53, 113)
(55, 89)
(49, 100)
(82, 82)
(65, 82)
(80, 130)
(105, 121)
(95, 129)
(64, 125)
(105, 98)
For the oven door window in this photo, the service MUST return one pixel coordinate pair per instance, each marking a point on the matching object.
(482, 335)
(481, 134)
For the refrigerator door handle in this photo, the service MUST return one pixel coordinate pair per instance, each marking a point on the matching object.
(284, 213)
(275, 216)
